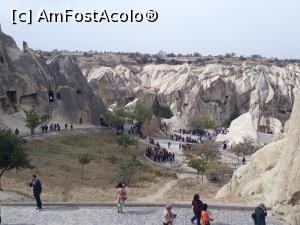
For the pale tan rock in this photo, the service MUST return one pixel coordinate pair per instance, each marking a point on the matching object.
(273, 173)
(221, 91)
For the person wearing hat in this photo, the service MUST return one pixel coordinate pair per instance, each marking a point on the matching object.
(261, 213)
(168, 216)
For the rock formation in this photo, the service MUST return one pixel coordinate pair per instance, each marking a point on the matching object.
(272, 175)
(224, 91)
(56, 87)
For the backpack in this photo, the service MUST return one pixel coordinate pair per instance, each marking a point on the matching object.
(253, 215)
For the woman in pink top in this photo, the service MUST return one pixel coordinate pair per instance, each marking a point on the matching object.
(121, 197)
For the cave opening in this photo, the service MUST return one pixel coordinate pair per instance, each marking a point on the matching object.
(129, 99)
(78, 92)
(282, 111)
(58, 96)
(50, 96)
(1, 59)
(12, 96)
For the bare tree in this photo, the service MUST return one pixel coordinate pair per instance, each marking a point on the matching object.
(207, 150)
(247, 147)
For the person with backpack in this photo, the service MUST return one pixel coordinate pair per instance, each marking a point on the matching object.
(205, 220)
(121, 197)
(259, 216)
(197, 205)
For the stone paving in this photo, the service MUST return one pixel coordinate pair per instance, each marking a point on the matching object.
(108, 216)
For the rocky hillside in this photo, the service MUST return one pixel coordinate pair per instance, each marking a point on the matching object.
(55, 86)
(272, 175)
(223, 90)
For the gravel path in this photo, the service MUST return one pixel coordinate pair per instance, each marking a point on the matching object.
(108, 216)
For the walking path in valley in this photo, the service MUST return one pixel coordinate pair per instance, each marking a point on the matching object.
(180, 159)
(149, 215)
(156, 197)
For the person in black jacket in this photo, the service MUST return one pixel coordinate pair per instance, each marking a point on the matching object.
(197, 205)
(260, 214)
(37, 190)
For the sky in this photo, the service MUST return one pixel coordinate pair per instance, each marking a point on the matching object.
(270, 28)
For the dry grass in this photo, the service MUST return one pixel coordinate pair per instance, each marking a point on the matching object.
(56, 163)
(186, 188)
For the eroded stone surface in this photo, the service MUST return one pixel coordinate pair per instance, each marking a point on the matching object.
(272, 175)
(222, 91)
(29, 80)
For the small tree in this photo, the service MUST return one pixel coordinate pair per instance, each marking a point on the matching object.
(12, 153)
(108, 118)
(206, 150)
(117, 117)
(128, 169)
(200, 165)
(33, 119)
(247, 147)
(142, 113)
(201, 122)
(125, 140)
(84, 159)
(196, 54)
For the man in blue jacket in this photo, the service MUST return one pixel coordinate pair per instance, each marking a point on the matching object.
(37, 190)
(261, 213)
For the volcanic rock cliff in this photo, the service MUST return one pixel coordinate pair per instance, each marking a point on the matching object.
(264, 92)
(272, 175)
(56, 87)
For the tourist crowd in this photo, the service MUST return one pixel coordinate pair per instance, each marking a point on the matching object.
(54, 127)
(221, 130)
(158, 154)
(179, 137)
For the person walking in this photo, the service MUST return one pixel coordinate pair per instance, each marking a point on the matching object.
(17, 132)
(197, 205)
(121, 197)
(37, 190)
(205, 220)
(169, 144)
(168, 216)
(260, 214)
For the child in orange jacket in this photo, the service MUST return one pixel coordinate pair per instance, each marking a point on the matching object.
(205, 216)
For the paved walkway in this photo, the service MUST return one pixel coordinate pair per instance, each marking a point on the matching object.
(108, 216)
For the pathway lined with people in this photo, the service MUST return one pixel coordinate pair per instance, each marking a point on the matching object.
(180, 159)
(76, 215)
